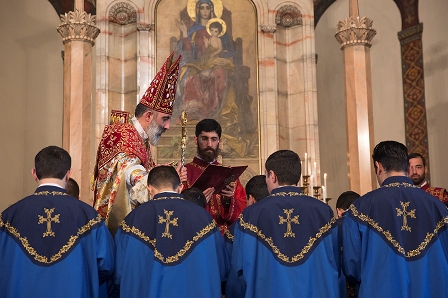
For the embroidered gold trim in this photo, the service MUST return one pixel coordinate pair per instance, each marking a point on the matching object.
(180, 253)
(229, 235)
(43, 259)
(53, 193)
(398, 184)
(391, 239)
(289, 193)
(276, 250)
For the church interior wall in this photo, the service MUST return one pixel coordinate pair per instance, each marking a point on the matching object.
(31, 81)
(32, 86)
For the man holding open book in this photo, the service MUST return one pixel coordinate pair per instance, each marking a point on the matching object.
(224, 205)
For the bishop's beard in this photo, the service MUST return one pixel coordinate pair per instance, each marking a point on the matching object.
(154, 132)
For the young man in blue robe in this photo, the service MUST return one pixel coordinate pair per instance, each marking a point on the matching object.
(286, 244)
(52, 244)
(395, 237)
(168, 246)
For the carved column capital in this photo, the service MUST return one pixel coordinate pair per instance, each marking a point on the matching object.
(123, 14)
(288, 16)
(355, 31)
(268, 28)
(78, 26)
(145, 27)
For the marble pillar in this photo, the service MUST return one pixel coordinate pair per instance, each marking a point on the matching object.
(355, 35)
(78, 33)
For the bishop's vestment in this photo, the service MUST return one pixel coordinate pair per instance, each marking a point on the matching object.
(123, 159)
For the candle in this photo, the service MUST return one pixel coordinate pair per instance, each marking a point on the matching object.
(325, 186)
(324, 197)
(306, 163)
(301, 179)
(314, 172)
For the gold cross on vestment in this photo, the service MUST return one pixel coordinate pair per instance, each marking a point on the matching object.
(167, 221)
(288, 221)
(48, 220)
(405, 214)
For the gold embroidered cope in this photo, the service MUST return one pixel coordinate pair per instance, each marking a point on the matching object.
(43, 259)
(174, 258)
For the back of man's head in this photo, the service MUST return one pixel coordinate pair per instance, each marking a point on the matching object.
(164, 177)
(208, 125)
(52, 162)
(195, 195)
(346, 199)
(257, 187)
(286, 166)
(72, 188)
(392, 155)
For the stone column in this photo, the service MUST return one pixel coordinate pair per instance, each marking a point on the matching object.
(78, 33)
(355, 35)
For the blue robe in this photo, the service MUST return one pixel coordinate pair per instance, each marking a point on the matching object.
(53, 245)
(396, 242)
(169, 247)
(284, 246)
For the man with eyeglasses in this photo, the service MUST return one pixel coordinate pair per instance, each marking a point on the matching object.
(226, 206)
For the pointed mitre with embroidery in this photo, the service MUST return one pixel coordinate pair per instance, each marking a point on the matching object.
(160, 94)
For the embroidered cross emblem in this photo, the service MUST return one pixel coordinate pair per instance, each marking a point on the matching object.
(288, 221)
(403, 212)
(48, 220)
(167, 221)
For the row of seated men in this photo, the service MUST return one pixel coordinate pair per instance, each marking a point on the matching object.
(394, 239)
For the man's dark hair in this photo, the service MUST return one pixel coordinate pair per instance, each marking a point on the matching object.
(52, 162)
(257, 187)
(417, 155)
(208, 125)
(286, 166)
(216, 25)
(346, 199)
(195, 195)
(163, 177)
(72, 188)
(392, 155)
(140, 109)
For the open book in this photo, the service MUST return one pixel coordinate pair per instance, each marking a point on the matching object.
(218, 176)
